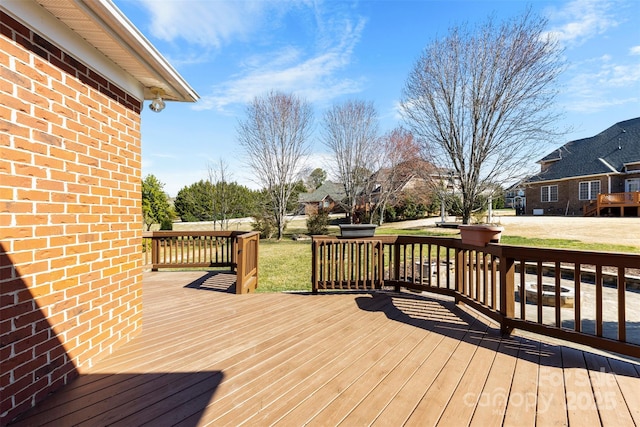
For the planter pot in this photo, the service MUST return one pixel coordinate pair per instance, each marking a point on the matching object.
(480, 235)
(357, 230)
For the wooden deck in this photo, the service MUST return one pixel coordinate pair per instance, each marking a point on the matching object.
(210, 357)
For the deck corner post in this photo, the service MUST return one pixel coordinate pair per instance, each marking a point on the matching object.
(396, 263)
(505, 327)
(459, 274)
(314, 265)
(507, 287)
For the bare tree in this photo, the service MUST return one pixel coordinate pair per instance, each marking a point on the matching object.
(350, 131)
(399, 162)
(275, 137)
(220, 198)
(482, 101)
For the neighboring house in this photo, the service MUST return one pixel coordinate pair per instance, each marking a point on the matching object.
(515, 197)
(415, 177)
(326, 197)
(592, 176)
(409, 175)
(73, 79)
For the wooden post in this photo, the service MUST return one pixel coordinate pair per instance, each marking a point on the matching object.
(459, 273)
(240, 264)
(314, 266)
(247, 262)
(379, 252)
(507, 291)
(155, 253)
(396, 265)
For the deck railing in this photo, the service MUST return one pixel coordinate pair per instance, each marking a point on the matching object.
(347, 264)
(618, 199)
(586, 297)
(205, 249)
(612, 200)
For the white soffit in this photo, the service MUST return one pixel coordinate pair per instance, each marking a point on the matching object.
(106, 29)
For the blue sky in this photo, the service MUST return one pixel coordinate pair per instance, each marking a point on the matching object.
(329, 51)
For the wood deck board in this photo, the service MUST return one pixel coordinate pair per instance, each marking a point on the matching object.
(331, 390)
(269, 385)
(359, 390)
(369, 409)
(612, 406)
(491, 401)
(551, 407)
(241, 334)
(442, 391)
(208, 357)
(581, 404)
(343, 356)
(235, 331)
(628, 379)
(522, 395)
(460, 408)
(401, 408)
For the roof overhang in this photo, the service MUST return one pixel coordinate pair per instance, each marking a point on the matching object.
(570, 178)
(96, 32)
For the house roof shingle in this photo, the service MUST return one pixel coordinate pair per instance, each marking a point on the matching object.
(605, 153)
(331, 189)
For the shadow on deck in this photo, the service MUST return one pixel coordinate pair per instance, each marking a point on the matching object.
(353, 358)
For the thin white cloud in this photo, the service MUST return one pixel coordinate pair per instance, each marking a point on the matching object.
(604, 85)
(205, 23)
(581, 20)
(309, 65)
(596, 104)
(604, 80)
(313, 76)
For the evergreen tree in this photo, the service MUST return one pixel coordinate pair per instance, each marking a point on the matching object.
(155, 203)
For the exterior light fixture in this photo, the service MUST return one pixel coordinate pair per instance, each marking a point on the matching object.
(157, 104)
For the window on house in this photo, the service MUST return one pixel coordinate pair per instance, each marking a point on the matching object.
(588, 190)
(549, 193)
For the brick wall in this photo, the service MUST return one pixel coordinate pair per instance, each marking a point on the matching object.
(568, 197)
(70, 217)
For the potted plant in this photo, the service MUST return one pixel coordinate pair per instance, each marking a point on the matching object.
(480, 234)
(357, 230)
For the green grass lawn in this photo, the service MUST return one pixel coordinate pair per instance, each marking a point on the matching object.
(284, 266)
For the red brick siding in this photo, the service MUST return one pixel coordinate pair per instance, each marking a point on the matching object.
(568, 192)
(70, 218)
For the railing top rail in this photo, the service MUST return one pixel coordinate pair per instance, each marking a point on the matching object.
(174, 233)
(247, 234)
(629, 260)
(386, 239)
(572, 255)
(629, 196)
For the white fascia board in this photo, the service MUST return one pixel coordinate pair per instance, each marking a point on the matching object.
(49, 27)
(138, 46)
